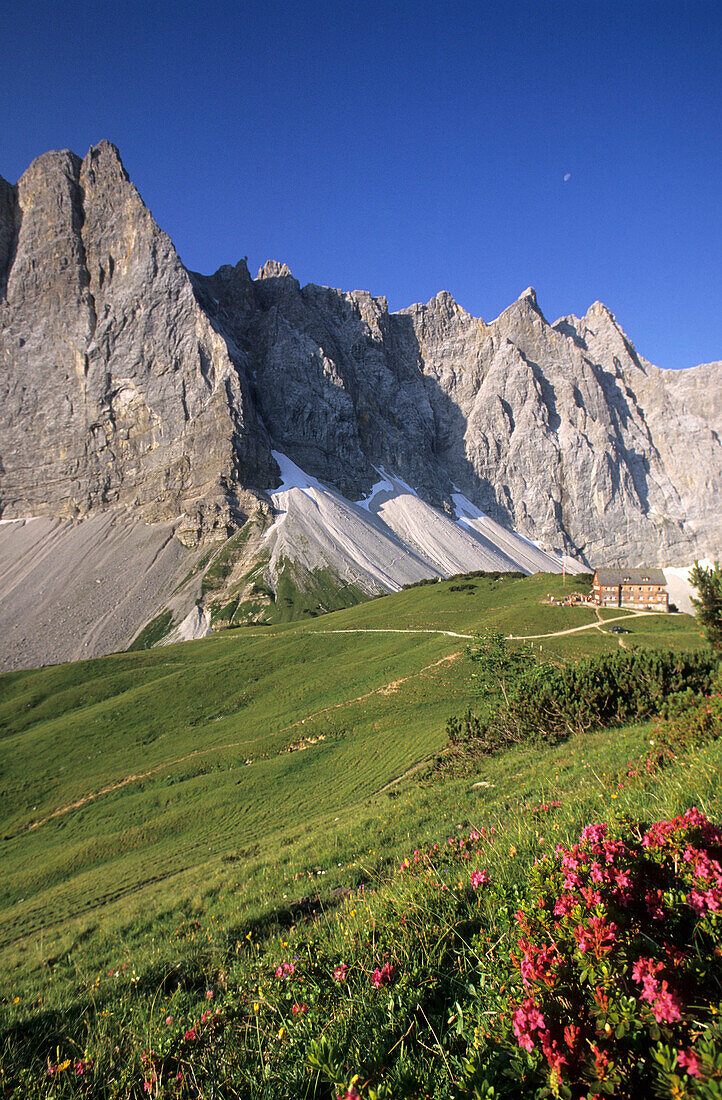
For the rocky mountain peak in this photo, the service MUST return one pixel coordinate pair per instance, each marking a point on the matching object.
(272, 269)
(599, 310)
(149, 388)
(105, 158)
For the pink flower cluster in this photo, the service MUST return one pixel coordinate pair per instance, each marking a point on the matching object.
(285, 970)
(665, 1004)
(598, 936)
(689, 1061)
(579, 942)
(382, 975)
(665, 833)
(530, 1027)
(538, 964)
(480, 878)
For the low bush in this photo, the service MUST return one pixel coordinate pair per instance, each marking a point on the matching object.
(552, 702)
(521, 699)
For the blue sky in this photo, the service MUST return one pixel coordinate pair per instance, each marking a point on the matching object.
(406, 148)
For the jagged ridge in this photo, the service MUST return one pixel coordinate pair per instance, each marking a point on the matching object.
(127, 382)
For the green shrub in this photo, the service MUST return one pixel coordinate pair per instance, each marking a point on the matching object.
(550, 702)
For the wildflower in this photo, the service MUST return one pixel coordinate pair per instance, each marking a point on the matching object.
(653, 900)
(480, 878)
(538, 963)
(209, 994)
(593, 834)
(191, 1033)
(382, 976)
(285, 970)
(645, 972)
(553, 1055)
(571, 1034)
(665, 1006)
(689, 1062)
(601, 1061)
(703, 901)
(599, 936)
(591, 897)
(526, 1019)
(168, 1020)
(299, 1009)
(564, 905)
(340, 972)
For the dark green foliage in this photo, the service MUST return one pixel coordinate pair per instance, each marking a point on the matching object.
(553, 702)
(708, 583)
(522, 700)
(694, 721)
(475, 574)
(488, 574)
(152, 633)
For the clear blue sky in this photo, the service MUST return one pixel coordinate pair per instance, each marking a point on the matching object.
(406, 148)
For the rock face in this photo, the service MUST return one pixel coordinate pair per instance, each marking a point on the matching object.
(115, 389)
(128, 382)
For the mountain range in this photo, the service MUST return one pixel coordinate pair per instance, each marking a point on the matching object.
(184, 449)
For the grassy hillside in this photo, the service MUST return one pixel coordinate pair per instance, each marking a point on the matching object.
(227, 779)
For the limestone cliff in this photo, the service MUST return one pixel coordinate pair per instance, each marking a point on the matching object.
(115, 388)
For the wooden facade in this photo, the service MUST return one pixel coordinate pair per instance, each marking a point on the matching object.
(644, 589)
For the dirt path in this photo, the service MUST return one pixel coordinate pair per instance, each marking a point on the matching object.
(631, 614)
(385, 689)
(577, 629)
(393, 630)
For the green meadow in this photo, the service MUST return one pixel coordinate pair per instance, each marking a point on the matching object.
(251, 778)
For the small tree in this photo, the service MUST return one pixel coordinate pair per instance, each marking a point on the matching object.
(708, 603)
(499, 664)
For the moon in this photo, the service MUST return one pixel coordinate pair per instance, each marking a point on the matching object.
(567, 176)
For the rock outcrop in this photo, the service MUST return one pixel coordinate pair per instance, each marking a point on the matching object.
(128, 382)
(115, 388)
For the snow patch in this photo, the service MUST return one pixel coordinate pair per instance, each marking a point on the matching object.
(392, 536)
(293, 477)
